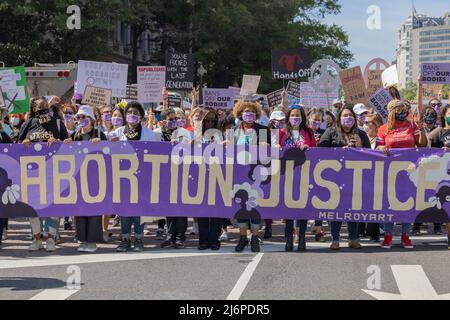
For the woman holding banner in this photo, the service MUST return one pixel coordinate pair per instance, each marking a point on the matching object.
(89, 229)
(132, 131)
(246, 133)
(399, 132)
(345, 134)
(42, 127)
(299, 135)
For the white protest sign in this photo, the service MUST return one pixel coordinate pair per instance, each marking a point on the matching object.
(103, 75)
(389, 77)
(2, 99)
(218, 98)
(250, 84)
(379, 101)
(94, 96)
(311, 98)
(237, 93)
(151, 81)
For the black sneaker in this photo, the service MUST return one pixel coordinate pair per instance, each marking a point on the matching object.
(167, 244)
(267, 233)
(243, 242)
(301, 244)
(289, 244)
(203, 246)
(416, 232)
(138, 245)
(67, 226)
(438, 230)
(180, 244)
(254, 244)
(215, 246)
(124, 246)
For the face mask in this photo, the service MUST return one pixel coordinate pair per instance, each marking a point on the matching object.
(401, 116)
(447, 119)
(348, 122)
(429, 119)
(133, 119)
(43, 116)
(14, 121)
(278, 124)
(315, 124)
(181, 123)
(107, 117)
(295, 121)
(249, 117)
(117, 122)
(83, 123)
(172, 124)
(69, 117)
(362, 119)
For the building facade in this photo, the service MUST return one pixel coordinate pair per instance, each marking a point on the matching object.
(421, 39)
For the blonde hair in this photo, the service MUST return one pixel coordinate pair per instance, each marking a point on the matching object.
(240, 106)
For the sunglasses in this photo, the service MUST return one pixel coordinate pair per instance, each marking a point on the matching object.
(69, 113)
(436, 105)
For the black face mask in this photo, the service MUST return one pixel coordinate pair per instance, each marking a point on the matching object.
(43, 116)
(430, 119)
(401, 115)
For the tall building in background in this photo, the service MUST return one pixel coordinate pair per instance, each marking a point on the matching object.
(421, 39)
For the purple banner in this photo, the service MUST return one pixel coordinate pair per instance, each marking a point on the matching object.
(161, 179)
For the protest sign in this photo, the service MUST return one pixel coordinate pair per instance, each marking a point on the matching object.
(179, 71)
(293, 89)
(432, 91)
(148, 178)
(237, 93)
(325, 76)
(132, 92)
(378, 64)
(291, 64)
(311, 98)
(218, 98)
(389, 77)
(435, 73)
(151, 81)
(98, 97)
(274, 98)
(174, 102)
(379, 101)
(354, 85)
(373, 81)
(2, 99)
(14, 90)
(105, 75)
(250, 85)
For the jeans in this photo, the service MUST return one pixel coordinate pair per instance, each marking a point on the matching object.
(127, 222)
(38, 225)
(289, 228)
(336, 230)
(209, 230)
(177, 227)
(389, 228)
(254, 224)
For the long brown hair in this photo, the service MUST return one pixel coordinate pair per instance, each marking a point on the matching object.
(303, 124)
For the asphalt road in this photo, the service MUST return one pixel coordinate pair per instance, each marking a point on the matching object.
(189, 274)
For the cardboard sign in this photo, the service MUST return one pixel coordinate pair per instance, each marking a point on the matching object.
(218, 98)
(291, 64)
(373, 81)
(354, 85)
(379, 101)
(98, 97)
(174, 102)
(274, 98)
(14, 90)
(151, 81)
(431, 91)
(311, 98)
(250, 84)
(293, 89)
(389, 77)
(237, 93)
(179, 71)
(105, 75)
(435, 73)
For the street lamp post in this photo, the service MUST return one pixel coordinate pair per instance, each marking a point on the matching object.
(201, 72)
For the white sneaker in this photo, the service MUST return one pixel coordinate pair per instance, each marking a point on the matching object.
(36, 245)
(194, 229)
(91, 247)
(5, 234)
(82, 247)
(224, 236)
(50, 245)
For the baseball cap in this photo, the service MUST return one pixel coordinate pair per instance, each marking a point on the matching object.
(336, 101)
(277, 115)
(360, 108)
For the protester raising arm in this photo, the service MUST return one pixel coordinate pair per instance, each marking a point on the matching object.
(165, 94)
(194, 99)
(420, 95)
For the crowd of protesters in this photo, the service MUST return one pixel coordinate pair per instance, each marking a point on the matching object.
(53, 120)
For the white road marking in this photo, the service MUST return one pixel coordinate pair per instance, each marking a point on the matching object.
(412, 283)
(54, 294)
(243, 281)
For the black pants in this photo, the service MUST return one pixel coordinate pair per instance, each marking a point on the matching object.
(177, 227)
(209, 230)
(90, 229)
(161, 223)
(373, 230)
(3, 224)
(289, 228)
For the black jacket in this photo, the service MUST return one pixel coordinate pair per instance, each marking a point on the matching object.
(257, 127)
(331, 139)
